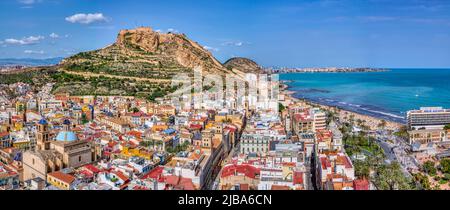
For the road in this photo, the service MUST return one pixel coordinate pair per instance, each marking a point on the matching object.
(397, 151)
(90, 74)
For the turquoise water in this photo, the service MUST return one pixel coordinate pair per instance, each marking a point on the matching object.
(382, 94)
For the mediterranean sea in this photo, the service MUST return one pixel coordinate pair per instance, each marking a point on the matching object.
(388, 94)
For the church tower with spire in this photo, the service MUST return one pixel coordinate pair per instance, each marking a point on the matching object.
(43, 135)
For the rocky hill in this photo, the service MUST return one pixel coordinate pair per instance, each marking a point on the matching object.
(244, 65)
(142, 52)
(141, 62)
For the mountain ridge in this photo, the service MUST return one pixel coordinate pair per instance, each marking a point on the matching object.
(244, 65)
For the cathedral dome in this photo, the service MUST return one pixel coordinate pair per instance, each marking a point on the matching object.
(66, 136)
(43, 121)
(66, 122)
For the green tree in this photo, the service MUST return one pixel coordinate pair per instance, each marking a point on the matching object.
(391, 177)
(382, 124)
(428, 167)
(331, 116)
(351, 120)
(423, 181)
(446, 177)
(402, 132)
(359, 122)
(447, 127)
(362, 169)
(281, 107)
(445, 165)
(84, 119)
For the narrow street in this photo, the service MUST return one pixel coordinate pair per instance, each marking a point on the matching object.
(234, 151)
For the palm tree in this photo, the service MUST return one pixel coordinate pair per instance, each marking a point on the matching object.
(352, 119)
(382, 124)
(446, 129)
(159, 144)
(362, 169)
(152, 143)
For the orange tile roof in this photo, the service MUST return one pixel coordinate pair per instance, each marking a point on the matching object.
(180, 182)
(361, 184)
(279, 187)
(4, 134)
(298, 177)
(121, 175)
(244, 187)
(344, 160)
(67, 178)
(247, 170)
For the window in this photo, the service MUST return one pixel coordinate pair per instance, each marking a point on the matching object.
(79, 159)
(33, 161)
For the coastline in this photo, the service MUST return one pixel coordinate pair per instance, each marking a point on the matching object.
(343, 113)
(327, 70)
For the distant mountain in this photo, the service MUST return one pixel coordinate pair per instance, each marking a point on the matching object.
(29, 61)
(244, 65)
(145, 53)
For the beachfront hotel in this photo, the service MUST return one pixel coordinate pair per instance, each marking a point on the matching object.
(428, 118)
(426, 125)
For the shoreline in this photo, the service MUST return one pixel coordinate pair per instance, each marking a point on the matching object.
(328, 70)
(343, 113)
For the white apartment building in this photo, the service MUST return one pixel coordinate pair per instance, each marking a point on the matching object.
(255, 143)
(428, 118)
(319, 119)
(426, 125)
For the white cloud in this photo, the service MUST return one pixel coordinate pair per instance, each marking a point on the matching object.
(54, 35)
(171, 30)
(28, 2)
(235, 43)
(86, 18)
(34, 52)
(24, 41)
(378, 18)
(211, 48)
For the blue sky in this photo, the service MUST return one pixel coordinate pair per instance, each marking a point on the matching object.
(310, 33)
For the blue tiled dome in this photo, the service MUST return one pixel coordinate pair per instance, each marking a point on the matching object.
(66, 136)
(43, 121)
(66, 122)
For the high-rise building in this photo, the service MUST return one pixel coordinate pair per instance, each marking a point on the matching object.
(426, 125)
(428, 117)
(319, 119)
